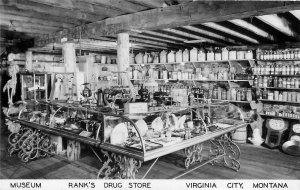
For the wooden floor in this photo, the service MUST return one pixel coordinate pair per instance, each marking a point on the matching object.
(256, 163)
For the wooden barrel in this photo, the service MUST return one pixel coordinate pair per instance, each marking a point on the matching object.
(240, 135)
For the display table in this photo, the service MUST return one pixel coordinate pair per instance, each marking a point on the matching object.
(30, 139)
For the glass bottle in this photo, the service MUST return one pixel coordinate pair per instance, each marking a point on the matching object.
(283, 70)
(238, 95)
(275, 82)
(280, 96)
(288, 83)
(296, 69)
(260, 81)
(215, 93)
(292, 70)
(243, 94)
(296, 81)
(280, 83)
(265, 81)
(255, 82)
(272, 69)
(233, 94)
(279, 69)
(288, 69)
(270, 81)
(284, 83)
(224, 94)
(249, 94)
(228, 94)
(292, 82)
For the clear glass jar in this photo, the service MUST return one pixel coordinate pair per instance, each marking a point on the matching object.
(249, 94)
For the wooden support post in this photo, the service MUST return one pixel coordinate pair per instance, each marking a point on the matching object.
(28, 61)
(58, 144)
(69, 57)
(123, 56)
(73, 150)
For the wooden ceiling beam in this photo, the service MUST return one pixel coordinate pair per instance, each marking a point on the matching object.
(160, 34)
(54, 11)
(175, 16)
(195, 37)
(34, 21)
(14, 11)
(210, 34)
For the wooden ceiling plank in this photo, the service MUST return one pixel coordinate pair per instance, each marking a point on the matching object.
(278, 23)
(33, 21)
(229, 31)
(189, 35)
(211, 34)
(248, 26)
(159, 34)
(180, 15)
(148, 3)
(121, 5)
(55, 11)
(11, 10)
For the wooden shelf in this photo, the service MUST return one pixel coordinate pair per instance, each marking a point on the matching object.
(188, 62)
(276, 116)
(277, 88)
(231, 101)
(277, 101)
(277, 75)
(198, 80)
(278, 60)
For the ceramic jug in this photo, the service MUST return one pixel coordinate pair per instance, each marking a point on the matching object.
(194, 54)
(232, 55)
(178, 56)
(225, 54)
(103, 59)
(201, 55)
(139, 58)
(185, 55)
(240, 54)
(171, 57)
(155, 57)
(210, 55)
(249, 54)
(131, 58)
(163, 56)
(150, 58)
(108, 60)
(145, 58)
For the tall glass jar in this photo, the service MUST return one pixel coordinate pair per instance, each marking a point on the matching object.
(233, 94)
(280, 82)
(238, 95)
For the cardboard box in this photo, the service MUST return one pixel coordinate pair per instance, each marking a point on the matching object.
(137, 107)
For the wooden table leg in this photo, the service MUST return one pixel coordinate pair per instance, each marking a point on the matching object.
(73, 150)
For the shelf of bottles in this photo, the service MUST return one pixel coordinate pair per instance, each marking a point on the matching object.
(281, 111)
(278, 55)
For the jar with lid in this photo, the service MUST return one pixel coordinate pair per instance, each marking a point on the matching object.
(288, 69)
(258, 54)
(260, 81)
(276, 69)
(280, 69)
(283, 70)
(272, 69)
(265, 94)
(280, 83)
(243, 94)
(270, 95)
(288, 82)
(280, 96)
(255, 82)
(284, 96)
(266, 55)
(268, 69)
(276, 95)
(292, 82)
(265, 81)
(276, 55)
(219, 93)
(288, 54)
(224, 94)
(249, 94)
(292, 69)
(215, 93)
(275, 82)
(233, 94)
(296, 81)
(238, 95)
(294, 96)
(225, 75)
(218, 54)
(284, 83)
(298, 96)
(228, 94)
(297, 69)
(270, 81)
(280, 54)
(289, 96)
